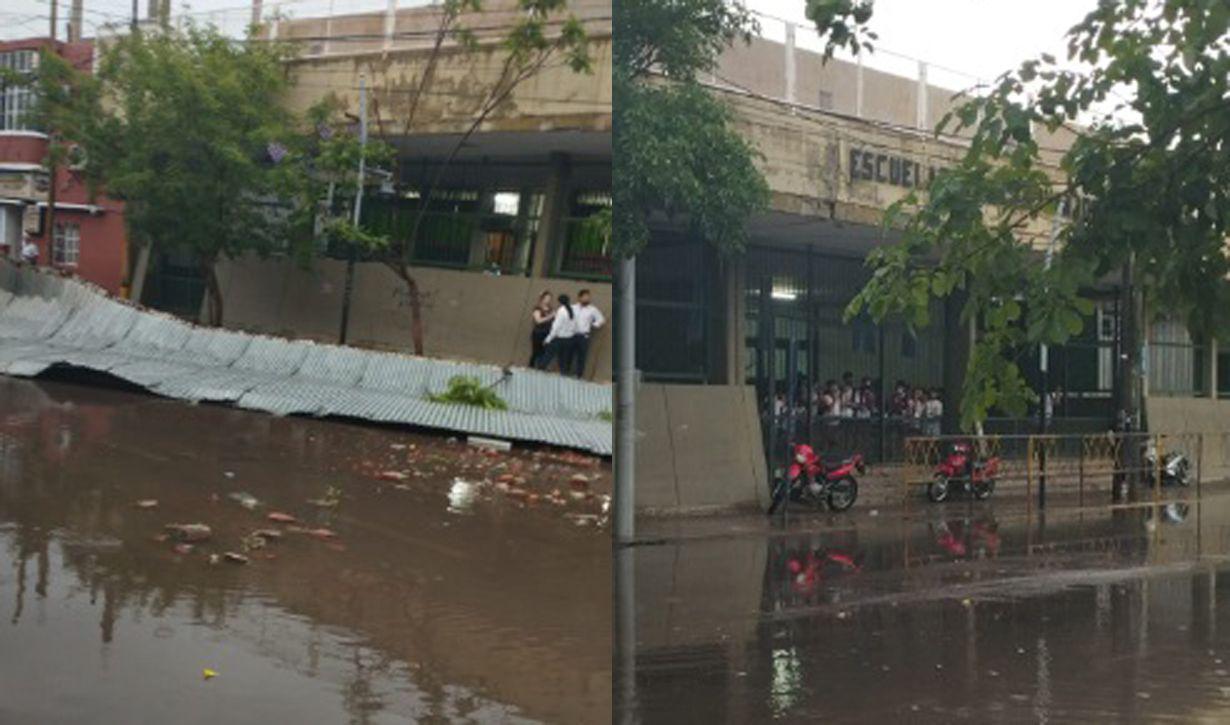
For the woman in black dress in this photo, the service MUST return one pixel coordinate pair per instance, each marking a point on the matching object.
(542, 314)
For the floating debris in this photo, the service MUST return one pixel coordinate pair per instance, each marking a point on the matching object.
(245, 499)
(190, 532)
(281, 518)
(235, 557)
(147, 503)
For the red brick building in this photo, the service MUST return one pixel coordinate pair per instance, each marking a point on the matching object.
(89, 236)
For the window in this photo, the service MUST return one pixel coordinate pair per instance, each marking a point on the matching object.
(66, 249)
(463, 228)
(17, 100)
(586, 251)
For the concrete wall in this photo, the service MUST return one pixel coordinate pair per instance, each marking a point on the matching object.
(698, 449)
(555, 98)
(1180, 415)
(805, 158)
(467, 315)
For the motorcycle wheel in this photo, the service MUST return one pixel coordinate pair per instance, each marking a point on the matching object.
(937, 490)
(842, 494)
(1184, 478)
(983, 490)
(780, 491)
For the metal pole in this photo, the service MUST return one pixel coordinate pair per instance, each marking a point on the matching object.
(358, 208)
(625, 634)
(625, 401)
(135, 13)
(1044, 365)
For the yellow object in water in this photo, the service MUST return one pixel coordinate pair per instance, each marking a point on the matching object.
(209, 674)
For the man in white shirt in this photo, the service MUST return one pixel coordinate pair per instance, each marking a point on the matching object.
(29, 251)
(589, 318)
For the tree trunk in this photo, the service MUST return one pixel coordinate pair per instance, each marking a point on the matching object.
(1130, 415)
(213, 294)
(956, 360)
(416, 308)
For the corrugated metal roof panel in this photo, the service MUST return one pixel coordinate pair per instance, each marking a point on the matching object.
(46, 320)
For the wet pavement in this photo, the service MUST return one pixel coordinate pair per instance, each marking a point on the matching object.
(962, 613)
(422, 580)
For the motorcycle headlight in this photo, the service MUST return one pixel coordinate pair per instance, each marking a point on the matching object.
(800, 458)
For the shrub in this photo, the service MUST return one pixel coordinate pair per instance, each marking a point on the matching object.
(467, 390)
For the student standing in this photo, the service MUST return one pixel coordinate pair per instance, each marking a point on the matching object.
(561, 340)
(29, 251)
(589, 318)
(541, 316)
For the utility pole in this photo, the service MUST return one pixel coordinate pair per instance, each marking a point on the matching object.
(50, 226)
(358, 208)
(135, 12)
(256, 13)
(76, 20)
(625, 401)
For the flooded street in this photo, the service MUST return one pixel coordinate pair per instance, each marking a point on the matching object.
(962, 614)
(420, 579)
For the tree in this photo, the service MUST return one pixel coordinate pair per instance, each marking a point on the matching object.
(1147, 180)
(674, 150)
(187, 126)
(541, 35)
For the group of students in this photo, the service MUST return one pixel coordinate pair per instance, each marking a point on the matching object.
(850, 400)
(560, 334)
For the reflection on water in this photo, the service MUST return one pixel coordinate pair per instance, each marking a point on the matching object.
(1101, 615)
(407, 613)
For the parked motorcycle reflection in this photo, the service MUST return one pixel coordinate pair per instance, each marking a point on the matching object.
(965, 538)
(806, 571)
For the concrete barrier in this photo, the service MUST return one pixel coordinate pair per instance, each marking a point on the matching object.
(698, 450)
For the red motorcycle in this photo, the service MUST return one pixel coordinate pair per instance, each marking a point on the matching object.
(817, 482)
(963, 469)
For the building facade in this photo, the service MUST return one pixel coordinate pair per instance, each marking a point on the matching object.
(761, 338)
(88, 238)
(508, 217)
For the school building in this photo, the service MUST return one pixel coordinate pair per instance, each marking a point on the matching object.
(507, 221)
(724, 349)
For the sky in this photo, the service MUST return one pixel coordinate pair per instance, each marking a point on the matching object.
(963, 40)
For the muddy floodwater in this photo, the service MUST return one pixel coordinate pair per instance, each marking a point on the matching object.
(402, 577)
(964, 613)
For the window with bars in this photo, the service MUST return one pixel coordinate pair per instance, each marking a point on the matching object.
(17, 98)
(586, 251)
(66, 247)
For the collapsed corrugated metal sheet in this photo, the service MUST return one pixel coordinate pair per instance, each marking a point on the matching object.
(47, 320)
